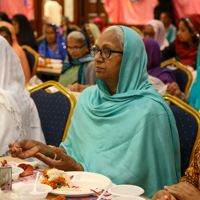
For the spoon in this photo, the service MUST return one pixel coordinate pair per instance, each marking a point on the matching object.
(35, 186)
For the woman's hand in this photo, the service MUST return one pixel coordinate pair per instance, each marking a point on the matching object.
(184, 191)
(174, 90)
(163, 195)
(24, 149)
(65, 163)
(77, 87)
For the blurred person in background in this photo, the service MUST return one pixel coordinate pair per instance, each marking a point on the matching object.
(65, 27)
(99, 22)
(4, 17)
(7, 30)
(24, 31)
(53, 45)
(155, 29)
(92, 31)
(170, 29)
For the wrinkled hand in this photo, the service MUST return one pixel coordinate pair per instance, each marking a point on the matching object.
(77, 87)
(24, 149)
(184, 191)
(66, 162)
(163, 195)
(174, 90)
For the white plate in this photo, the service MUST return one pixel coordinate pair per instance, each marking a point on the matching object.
(85, 179)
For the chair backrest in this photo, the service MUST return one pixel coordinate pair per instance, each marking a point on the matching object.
(136, 29)
(55, 111)
(182, 74)
(187, 122)
(32, 57)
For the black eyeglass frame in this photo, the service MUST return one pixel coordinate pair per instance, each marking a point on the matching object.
(110, 51)
(77, 48)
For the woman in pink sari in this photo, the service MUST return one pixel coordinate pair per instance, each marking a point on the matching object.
(17, 49)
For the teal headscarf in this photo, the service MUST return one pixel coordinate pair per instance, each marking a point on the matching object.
(131, 137)
(194, 97)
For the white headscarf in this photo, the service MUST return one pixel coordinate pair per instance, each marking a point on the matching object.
(159, 30)
(17, 98)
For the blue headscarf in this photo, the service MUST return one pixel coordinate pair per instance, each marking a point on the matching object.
(81, 61)
(131, 137)
(194, 97)
(60, 53)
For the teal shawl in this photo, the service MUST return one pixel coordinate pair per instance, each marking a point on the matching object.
(194, 97)
(131, 137)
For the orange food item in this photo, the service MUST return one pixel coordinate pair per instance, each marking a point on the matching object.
(47, 61)
(61, 197)
(52, 184)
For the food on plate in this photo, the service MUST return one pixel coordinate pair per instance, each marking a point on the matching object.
(4, 163)
(55, 178)
(61, 197)
(28, 169)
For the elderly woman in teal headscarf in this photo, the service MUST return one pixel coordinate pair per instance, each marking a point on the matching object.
(79, 67)
(116, 125)
(194, 96)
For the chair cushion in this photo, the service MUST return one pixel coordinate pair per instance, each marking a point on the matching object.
(187, 128)
(53, 109)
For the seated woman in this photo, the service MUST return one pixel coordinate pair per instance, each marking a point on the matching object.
(185, 46)
(7, 30)
(115, 128)
(170, 30)
(154, 62)
(99, 22)
(92, 31)
(24, 31)
(155, 30)
(53, 46)
(79, 67)
(19, 116)
(189, 187)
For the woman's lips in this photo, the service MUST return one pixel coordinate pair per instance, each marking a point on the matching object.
(99, 69)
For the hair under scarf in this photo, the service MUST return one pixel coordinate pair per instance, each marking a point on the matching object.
(123, 130)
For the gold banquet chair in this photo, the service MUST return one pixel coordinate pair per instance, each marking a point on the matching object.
(182, 74)
(188, 125)
(136, 29)
(32, 57)
(55, 111)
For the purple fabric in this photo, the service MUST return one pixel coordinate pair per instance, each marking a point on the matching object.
(154, 61)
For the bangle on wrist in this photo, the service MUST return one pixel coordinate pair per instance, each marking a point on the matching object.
(55, 154)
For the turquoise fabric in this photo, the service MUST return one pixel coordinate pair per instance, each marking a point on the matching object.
(194, 97)
(130, 137)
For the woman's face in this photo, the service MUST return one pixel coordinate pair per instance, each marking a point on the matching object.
(149, 32)
(50, 35)
(183, 33)
(16, 26)
(108, 69)
(164, 18)
(6, 36)
(76, 49)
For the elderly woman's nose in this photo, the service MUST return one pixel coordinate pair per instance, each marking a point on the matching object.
(98, 57)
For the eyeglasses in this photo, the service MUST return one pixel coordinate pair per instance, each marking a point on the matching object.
(105, 53)
(75, 48)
